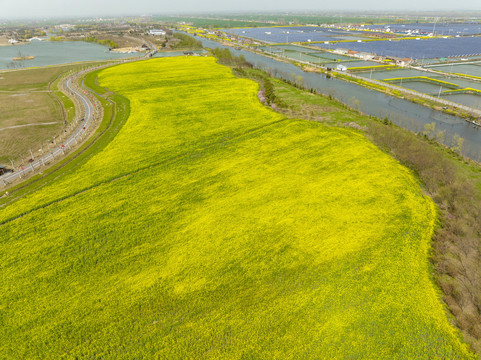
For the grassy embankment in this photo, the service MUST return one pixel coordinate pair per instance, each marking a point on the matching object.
(211, 226)
(373, 67)
(92, 39)
(116, 110)
(185, 42)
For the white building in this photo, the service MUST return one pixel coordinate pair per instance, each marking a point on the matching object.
(340, 51)
(364, 55)
(157, 32)
(341, 68)
(12, 41)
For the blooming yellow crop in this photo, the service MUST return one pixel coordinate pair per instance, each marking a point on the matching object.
(212, 227)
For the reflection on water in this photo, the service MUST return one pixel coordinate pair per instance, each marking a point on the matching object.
(55, 53)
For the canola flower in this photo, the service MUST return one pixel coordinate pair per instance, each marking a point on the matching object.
(212, 227)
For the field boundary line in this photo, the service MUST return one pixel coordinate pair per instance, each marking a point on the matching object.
(25, 125)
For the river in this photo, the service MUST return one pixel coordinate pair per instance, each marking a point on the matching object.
(401, 112)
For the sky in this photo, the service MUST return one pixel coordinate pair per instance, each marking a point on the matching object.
(15, 9)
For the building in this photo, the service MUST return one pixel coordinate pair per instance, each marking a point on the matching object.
(12, 41)
(404, 61)
(340, 51)
(341, 68)
(157, 32)
(364, 55)
(64, 27)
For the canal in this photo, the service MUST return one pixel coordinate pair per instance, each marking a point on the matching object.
(401, 112)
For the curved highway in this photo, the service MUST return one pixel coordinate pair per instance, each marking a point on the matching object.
(88, 108)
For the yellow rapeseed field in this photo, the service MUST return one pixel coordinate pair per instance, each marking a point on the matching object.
(213, 228)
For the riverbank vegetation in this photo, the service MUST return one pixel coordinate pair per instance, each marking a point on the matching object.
(232, 231)
(92, 39)
(184, 41)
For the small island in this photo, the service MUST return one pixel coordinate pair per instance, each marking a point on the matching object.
(28, 57)
(21, 57)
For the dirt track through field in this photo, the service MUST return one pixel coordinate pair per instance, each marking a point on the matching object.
(25, 125)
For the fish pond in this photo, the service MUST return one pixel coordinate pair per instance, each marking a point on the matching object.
(290, 34)
(415, 49)
(447, 29)
(472, 68)
(431, 84)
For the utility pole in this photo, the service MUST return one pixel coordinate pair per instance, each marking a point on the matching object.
(434, 27)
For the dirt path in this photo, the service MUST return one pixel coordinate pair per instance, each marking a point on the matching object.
(20, 126)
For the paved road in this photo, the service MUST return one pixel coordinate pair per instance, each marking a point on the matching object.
(87, 108)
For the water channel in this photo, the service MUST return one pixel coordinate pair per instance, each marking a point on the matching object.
(401, 112)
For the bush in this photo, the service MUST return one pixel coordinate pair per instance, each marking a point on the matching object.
(186, 42)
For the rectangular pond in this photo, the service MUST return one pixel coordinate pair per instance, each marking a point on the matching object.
(421, 86)
(288, 34)
(439, 28)
(468, 69)
(415, 49)
(352, 63)
(305, 54)
(471, 100)
(389, 74)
